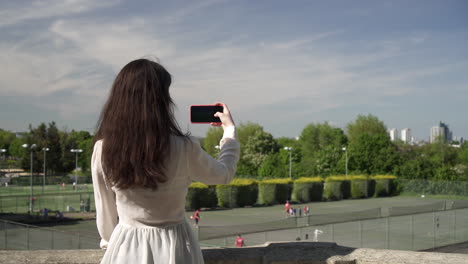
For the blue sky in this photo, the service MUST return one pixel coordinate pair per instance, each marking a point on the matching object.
(283, 64)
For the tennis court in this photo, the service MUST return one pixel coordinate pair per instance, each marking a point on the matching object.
(407, 223)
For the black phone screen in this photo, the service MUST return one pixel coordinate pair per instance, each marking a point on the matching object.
(205, 113)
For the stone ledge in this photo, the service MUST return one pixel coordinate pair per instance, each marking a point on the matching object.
(272, 253)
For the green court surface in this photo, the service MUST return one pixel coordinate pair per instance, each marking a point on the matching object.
(415, 223)
(48, 189)
(238, 216)
(263, 215)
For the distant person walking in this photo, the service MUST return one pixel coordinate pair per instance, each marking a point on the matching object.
(240, 241)
(142, 166)
(306, 210)
(317, 232)
(196, 217)
(287, 206)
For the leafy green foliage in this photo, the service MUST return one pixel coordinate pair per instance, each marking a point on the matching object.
(308, 189)
(258, 147)
(321, 146)
(385, 185)
(6, 138)
(372, 153)
(362, 188)
(239, 193)
(213, 136)
(200, 195)
(365, 124)
(337, 188)
(274, 191)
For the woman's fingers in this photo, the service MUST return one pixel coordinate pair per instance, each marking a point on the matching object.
(225, 116)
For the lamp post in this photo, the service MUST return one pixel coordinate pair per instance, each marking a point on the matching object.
(31, 148)
(3, 151)
(290, 164)
(346, 152)
(43, 178)
(76, 151)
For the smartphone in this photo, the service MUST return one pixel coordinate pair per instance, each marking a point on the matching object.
(205, 113)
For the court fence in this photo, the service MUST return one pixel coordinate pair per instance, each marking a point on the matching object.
(17, 236)
(400, 228)
(64, 202)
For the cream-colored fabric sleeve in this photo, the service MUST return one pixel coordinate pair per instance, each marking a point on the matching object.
(204, 168)
(104, 198)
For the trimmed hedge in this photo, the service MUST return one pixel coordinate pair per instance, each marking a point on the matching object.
(337, 188)
(200, 195)
(362, 187)
(385, 185)
(433, 187)
(239, 193)
(274, 191)
(308, 189)
(50, 179)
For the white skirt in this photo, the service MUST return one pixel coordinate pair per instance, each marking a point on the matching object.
(175, 244)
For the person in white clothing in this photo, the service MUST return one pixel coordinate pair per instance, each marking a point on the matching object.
(142, 166)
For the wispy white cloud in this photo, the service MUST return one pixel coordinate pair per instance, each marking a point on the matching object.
(48, 9)
(70, 62)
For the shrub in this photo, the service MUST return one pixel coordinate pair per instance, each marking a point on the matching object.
(385, 185)
(337, 188)
(274, 191)
(239, 193)
(308, 189)
(200, 195)
(362, 187)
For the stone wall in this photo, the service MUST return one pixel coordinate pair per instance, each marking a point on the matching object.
(273, 253)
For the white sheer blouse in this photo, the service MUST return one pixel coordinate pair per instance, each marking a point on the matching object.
(142, 207)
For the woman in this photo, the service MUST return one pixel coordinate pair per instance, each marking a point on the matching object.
(142, 165)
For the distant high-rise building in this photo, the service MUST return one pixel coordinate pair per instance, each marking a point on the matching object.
(406, 135)
(442, 132)
(393, 134)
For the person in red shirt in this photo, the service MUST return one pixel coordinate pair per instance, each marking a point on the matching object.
(287, 206)
(196, 217)
(239, 241)
(306, 210)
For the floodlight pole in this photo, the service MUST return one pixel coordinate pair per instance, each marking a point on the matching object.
(290, 164)
(43, 177)
(76, 151)
(31, 205)
(346, 152)
(3, 151)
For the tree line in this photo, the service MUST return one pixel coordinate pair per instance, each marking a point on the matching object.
(320, 150)
(59, 158)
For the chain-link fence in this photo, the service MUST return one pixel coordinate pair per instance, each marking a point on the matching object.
(385, 229)
(64, 202)
(425, 187)
(26, 237)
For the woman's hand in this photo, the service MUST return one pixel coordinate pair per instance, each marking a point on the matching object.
(225, 116)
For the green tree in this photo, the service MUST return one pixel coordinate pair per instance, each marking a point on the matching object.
(212, 138)
(6, 138)
(321, 148)
(365, 124)
(74, 140)
(273, 167)
(258, 147)
(372, 154)
(54, 155)
(244, 132)
(16, 150)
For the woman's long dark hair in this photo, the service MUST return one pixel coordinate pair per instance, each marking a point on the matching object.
(136, 124)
